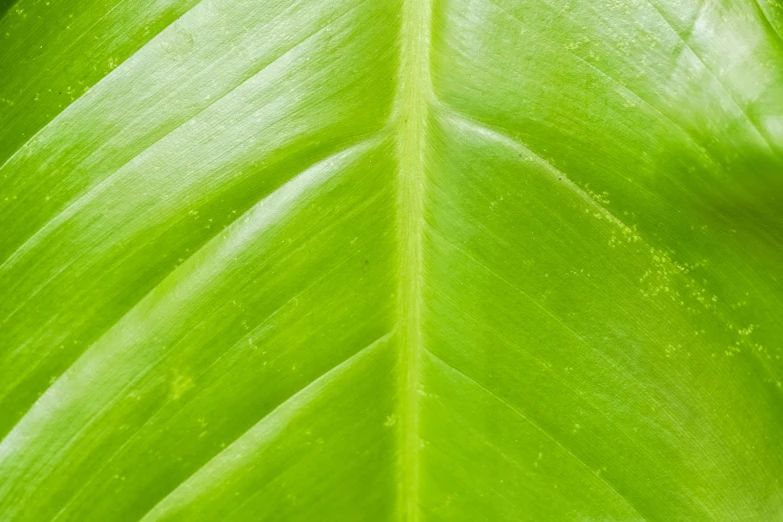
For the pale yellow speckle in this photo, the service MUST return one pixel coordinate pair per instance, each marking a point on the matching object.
(180, 386)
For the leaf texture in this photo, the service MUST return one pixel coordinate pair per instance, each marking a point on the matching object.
(410, 260)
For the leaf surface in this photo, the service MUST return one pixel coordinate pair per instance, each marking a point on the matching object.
(391, 260)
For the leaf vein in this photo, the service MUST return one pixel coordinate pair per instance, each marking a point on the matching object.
(537, 426)
(205, 245)
(23, 145)
(322, 379)
(80, 201)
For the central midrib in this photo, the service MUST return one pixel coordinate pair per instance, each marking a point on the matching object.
(411, 113)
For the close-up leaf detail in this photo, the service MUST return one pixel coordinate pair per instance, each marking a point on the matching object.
(391, 260)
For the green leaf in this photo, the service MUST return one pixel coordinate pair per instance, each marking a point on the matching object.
(408, 260)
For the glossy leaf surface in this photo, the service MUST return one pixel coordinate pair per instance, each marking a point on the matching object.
(391, 260)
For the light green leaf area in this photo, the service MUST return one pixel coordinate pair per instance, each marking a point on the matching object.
(411, 260)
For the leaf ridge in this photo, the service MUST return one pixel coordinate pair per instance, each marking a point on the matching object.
(621, 85)
(630, 233)
(767, 23)
(295, 401)
(80, 201)
(481, 127)
(511, 285)
(686, 132)
(242, 342)
(4, 9)
(728, 91)
(361, 144)
(438, 360)
(56, 116)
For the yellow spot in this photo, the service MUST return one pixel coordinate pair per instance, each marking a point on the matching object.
(180, 386)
